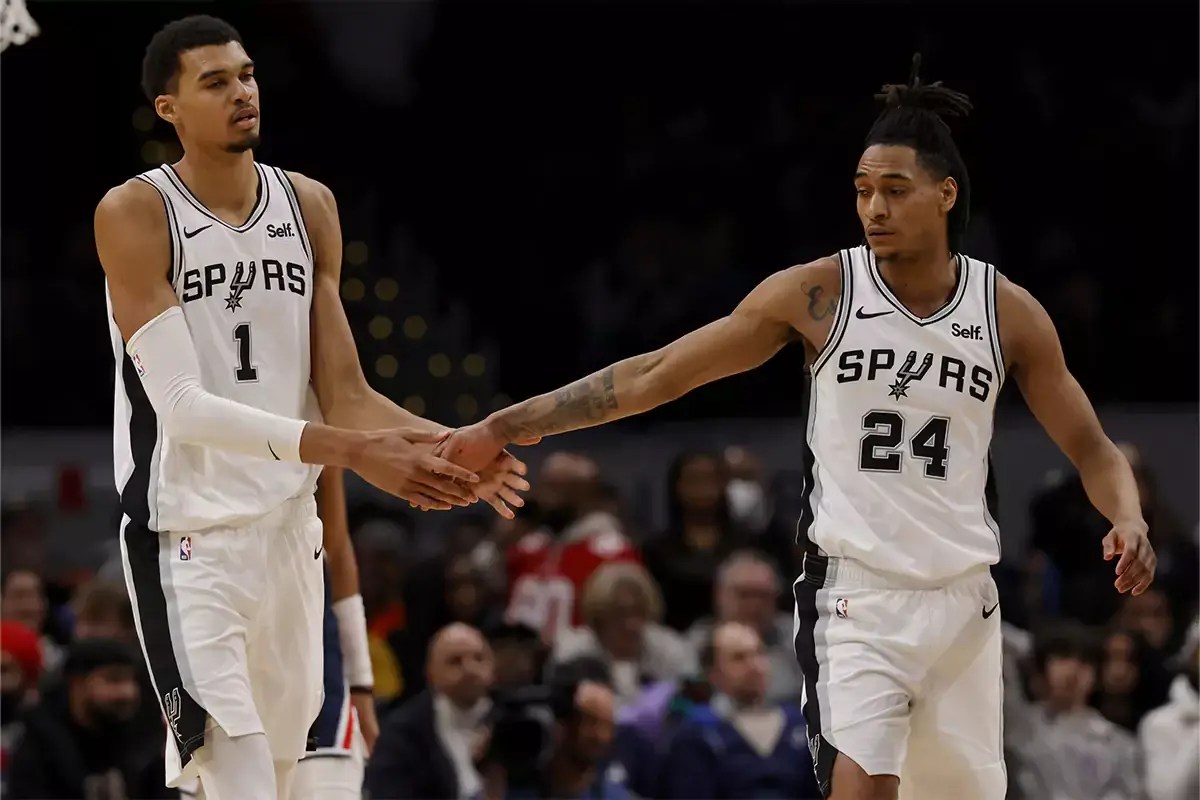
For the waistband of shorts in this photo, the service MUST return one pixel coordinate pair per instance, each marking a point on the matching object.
(292, 512)
(828, 571)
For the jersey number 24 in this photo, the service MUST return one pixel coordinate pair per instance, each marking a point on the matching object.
(881, 448)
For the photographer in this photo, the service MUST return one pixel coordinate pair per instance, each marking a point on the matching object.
(553, 742)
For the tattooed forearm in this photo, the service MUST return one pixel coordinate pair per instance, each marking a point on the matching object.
(591, 401)
(820, 305)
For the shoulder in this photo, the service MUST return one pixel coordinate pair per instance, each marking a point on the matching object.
(1025, 328)
(314, 196)
(133, 202)
(824, 274)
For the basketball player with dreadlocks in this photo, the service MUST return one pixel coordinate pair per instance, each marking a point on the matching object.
(908, 342)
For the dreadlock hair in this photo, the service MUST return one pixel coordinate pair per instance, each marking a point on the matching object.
(913, 117)
(160, 66)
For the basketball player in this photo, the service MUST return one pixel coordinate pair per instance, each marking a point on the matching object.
(346, 728)
(908, 343)
(231, 343)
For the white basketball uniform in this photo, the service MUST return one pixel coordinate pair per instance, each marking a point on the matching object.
(222, 550)
(897, 628)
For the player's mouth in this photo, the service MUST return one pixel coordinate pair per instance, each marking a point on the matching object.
(876, 232)
(246, 118)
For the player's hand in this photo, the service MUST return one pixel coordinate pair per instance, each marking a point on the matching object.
(1135, 568)
(401, 461)
(500, 481)
(477, 446)
(368, 722)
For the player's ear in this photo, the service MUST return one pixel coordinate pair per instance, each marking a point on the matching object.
(949, 194)
(164, 106)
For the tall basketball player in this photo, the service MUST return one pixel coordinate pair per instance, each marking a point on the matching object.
(908, 342)
(231, 342)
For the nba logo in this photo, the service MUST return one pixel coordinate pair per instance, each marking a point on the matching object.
(137, 365)
(185, 548)
(841, 607)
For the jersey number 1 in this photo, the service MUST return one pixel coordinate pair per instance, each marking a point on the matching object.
(881, 448)
(245, 372)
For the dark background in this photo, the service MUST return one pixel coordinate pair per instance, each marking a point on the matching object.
(506, 164)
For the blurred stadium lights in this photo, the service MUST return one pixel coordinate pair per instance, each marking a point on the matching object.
(439, 365)
(387, 289)
(415, 404)
(380, 327)
(474, 365)
(356, 253)
(143, 119)
(415, 327)
(353, 289)
(467, 408)
(386, 366)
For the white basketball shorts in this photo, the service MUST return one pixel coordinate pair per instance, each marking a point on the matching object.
(230, 625)
(903, 681)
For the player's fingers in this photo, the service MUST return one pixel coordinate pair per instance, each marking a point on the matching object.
(1128, 557)
(1110, 545)
(515, 482)
(510, 496)
(445, 490)
(1131, 578)
(503, 510)
(512, 464)
(427, 503)
(448, 468)
(1143, 584)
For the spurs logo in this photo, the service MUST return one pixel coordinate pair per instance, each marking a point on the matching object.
(906, 374)
(241, 282)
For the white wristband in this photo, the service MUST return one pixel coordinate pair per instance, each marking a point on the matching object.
(352, 634)
(165, 358)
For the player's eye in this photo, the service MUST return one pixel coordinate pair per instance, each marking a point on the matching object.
(896, 191)
(861, 192)
(216, 84)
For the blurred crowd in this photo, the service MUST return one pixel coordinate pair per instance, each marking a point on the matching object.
(567, 653)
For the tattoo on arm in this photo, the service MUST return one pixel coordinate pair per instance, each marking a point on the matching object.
(590, 401)
(820, 305)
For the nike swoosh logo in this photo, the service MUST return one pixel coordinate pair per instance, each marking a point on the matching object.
(189, 234)
(987, 613)
(861, 315)
(318, 551)
(272, 449)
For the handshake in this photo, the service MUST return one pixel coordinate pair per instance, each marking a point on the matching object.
(435, 470)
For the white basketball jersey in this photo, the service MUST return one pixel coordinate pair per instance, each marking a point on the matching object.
(899, 426)
(245, 291)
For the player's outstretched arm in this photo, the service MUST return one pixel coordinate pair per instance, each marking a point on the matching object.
(1031, 344)
(134, 246)
(768, 318)
(347, 600)
(345, 396)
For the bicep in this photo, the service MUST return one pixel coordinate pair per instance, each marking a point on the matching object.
(335, 364)
(134, 248)
(1050, 390)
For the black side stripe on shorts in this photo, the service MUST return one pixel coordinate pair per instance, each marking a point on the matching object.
(185, 716)
(822, 752)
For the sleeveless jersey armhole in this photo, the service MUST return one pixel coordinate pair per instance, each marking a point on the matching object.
(840, 322)
(994, 323)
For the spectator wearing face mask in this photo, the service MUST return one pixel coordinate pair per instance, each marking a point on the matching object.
(1168, 734)
(79, 742)
(700, 535)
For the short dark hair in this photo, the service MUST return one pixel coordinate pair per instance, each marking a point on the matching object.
(1065, 640)
(160, 66)
(913, 117)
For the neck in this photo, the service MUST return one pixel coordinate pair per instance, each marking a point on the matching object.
(926, 276)
(1056, 706)
(219, 179)
(79, 712)
(700, 529)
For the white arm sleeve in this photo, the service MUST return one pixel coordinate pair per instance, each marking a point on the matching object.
(165, 357)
